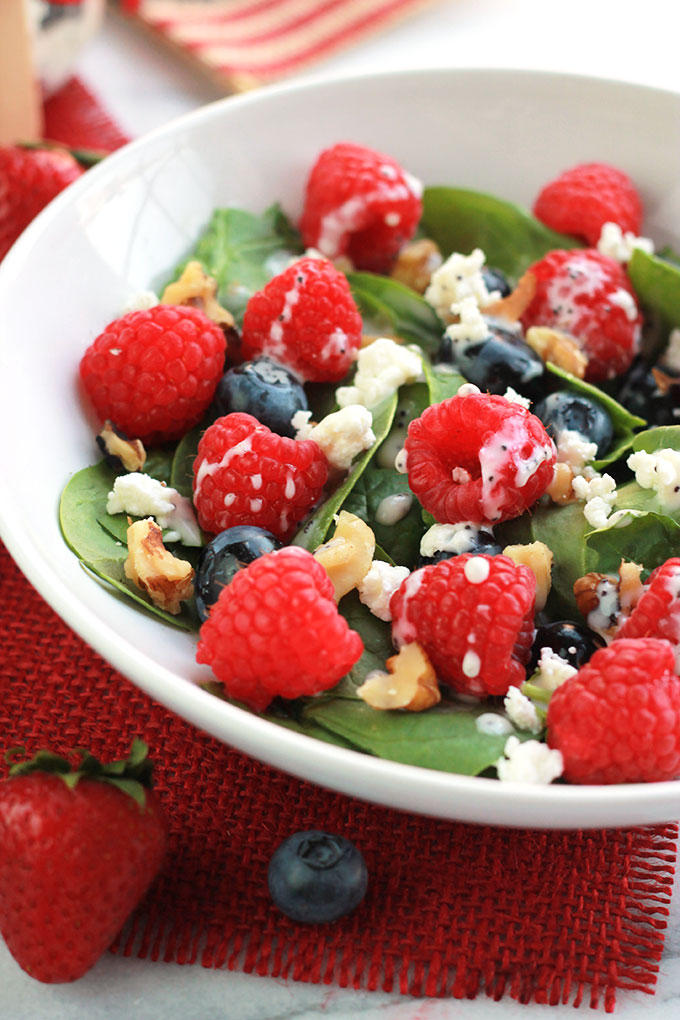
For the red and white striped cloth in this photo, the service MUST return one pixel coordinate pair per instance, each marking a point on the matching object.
(245, 43)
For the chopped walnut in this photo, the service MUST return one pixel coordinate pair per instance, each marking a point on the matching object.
(663, 380)
(630, 585)
(168, 581)
(538, 558)
(560, 489)
(513, 306)
(559, 348)
(411, 682)
(197, 289)
(416, 263)
(348, 555)
(585, 591)
(627, 584)
(119, 450)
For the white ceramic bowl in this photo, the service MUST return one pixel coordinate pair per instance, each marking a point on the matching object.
(125, 224)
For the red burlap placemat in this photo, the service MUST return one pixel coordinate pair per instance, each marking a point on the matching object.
(451, 910)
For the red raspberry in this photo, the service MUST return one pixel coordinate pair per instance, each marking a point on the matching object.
(276, 630)
(246, 474)
(618, 719)
(657, 612)
(588, 295)
(474, 616)
(306, 319)
(362, 204)
(153, 373)
(29, 179)
(478, 458)
(581, 200)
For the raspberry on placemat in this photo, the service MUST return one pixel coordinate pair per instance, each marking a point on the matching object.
(360, 203)
(474, 616)
(246, 474)
(618, 719)
(305, 319)
(479, 458)
(581, 200)
(588, 295)
(153, 373)
(276, 630)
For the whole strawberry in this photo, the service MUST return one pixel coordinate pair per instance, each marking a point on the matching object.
(78, 850)
(29, 179)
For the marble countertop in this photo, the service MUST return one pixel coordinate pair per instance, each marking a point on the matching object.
(143, 88)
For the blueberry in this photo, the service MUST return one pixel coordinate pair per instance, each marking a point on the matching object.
(502, 359)
(468, 539)
(579, 413)
(571, 641)
(224, 556)
(641, 394)
(315, 877)
(495, 279)
(264, 389)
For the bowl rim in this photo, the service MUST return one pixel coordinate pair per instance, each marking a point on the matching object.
(345, 770)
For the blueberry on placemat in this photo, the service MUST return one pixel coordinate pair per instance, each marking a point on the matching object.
(316, 877)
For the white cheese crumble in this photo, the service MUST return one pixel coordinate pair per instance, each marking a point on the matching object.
(141, 495)
(619, 246)
(454, 538)
(379, 585)
(141, 302)
(529, 762)
(552, 670)
(458, 278)
(513, 397)
(521, 711)
(659, 471)
(599, 492)
(574, 450)
(382, 368)
(341, 435)
(671, 356)
(471, 327)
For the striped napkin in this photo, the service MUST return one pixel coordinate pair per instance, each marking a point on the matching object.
(240, 44)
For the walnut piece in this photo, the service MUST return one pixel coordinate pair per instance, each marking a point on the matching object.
(348, 555)
(130, 453)
(585, 591)
(416, 263)
(559, 348)
(560, 489)
(411, 682)
(513, 306)
(538, 558)
(166, 579)
(196, 289)
(628, 586)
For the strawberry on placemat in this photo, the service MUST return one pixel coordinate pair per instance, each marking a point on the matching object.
(29, 179)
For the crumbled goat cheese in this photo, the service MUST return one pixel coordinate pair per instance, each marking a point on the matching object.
(521, 711)
(141, 495)
(599, 492)
(471, 326)
(460, 277)
(625, 300)
(454, 538)
(341, 435)
(513, 397)
(671, 356)
(382, 368)
(141, 302)
(619, 246)
(574, 450)
(597, 511)
(552, 670)
(529, 762)
(659, 471)
(379, 585)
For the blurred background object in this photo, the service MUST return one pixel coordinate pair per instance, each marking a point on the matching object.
(60, 29)
(240, 44)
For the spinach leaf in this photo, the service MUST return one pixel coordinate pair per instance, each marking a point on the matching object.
(657, 284)
(394, 308)
(649, 539)
(181, 473)
(460, 220)
(663, 437)
(444, 737)
(442, 382)
(401, 540)
(314, 530)
(377, 637)
(242, 251)
(185, 620)
(623, 421)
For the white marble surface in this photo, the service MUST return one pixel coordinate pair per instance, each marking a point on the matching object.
(143, 88)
